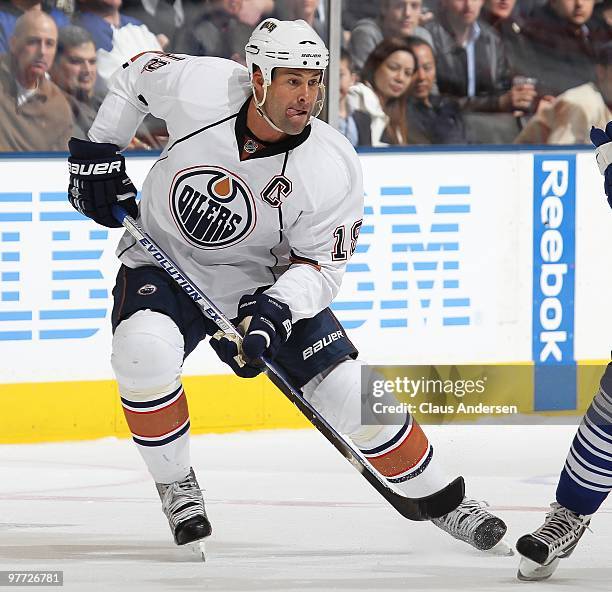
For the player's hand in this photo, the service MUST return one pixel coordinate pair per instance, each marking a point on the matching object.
(98, 180)
(603, 153)
(266, 324)
(227, 348)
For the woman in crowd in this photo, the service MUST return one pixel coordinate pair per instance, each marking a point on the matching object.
(383, 91)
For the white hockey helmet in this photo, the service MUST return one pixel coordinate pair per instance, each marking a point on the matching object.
(285, 44)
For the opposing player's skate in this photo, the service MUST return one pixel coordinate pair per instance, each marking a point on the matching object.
(183, 505)
(554, 540)
(472, 523)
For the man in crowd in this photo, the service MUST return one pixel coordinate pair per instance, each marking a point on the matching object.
(213, 29)
(34, 113)
(432, 119)
(562, 39)
(12, 10)
(471, 63)
(398, 18)
(75, 72)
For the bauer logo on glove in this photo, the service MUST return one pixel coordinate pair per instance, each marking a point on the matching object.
(266, 323)
(98, 181)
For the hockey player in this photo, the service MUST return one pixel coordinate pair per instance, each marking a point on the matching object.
(260, 204)
(586, 478)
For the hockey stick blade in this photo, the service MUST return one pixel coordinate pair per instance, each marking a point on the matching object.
(425, 508)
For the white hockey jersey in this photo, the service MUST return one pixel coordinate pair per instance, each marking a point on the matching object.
(233, 212)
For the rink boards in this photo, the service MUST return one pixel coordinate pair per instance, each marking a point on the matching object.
(469, 257)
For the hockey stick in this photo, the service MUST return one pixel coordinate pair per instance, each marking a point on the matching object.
(424, 508)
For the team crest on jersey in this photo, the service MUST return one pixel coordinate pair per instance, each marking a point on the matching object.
(276, 190)
(212, 207)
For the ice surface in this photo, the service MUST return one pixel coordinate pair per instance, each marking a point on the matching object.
(288, 513)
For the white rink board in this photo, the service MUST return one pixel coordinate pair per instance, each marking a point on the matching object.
(483, 232)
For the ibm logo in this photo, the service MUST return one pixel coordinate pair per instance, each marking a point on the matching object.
(52, 285)
(415, 273)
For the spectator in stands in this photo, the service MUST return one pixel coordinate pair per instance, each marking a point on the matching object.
(162, 17)
(398, 18)
(383, 92)
(34, 113)
(355, 10)
(561, 43)
(307, 10)
(101, 18)
(213, 29)
(568, 118)
(603, 13)
(432, 119)
(11, 10)
(254, 11)
(504, 17)
(75, 72)
(354, 125)
(471, 63)
(117, 37)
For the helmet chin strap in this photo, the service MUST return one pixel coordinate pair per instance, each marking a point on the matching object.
(259, 106)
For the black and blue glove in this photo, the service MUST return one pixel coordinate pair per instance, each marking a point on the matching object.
(602, 140)
(266, 325)
(98, 181)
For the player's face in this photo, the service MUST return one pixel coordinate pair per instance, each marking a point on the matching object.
(76, 70)
(425, 73)
(292, 97)
(393, 77)
(576, 12)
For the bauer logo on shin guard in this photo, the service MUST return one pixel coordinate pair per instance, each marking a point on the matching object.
(147, 290)
(317, 346)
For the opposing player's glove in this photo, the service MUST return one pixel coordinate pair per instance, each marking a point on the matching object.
(603, 153)
(98, 180)
(266, 324)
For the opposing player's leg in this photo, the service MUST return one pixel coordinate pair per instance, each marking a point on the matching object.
(155, 327)
(584, 484)
(321, 359)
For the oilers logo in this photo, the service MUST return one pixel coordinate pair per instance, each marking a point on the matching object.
(212, 207)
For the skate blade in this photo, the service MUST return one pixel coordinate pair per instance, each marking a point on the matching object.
(530, 571)
(501, 549)
(198, 550)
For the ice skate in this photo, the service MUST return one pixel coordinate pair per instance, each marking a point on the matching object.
(554, 540)
(183, 505)
(471, 523)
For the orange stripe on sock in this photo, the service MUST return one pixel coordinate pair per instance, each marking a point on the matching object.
(152, 424)
(407, 455)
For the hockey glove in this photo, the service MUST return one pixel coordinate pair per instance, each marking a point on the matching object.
(603, 153)
(98, 180)
(266, 324)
